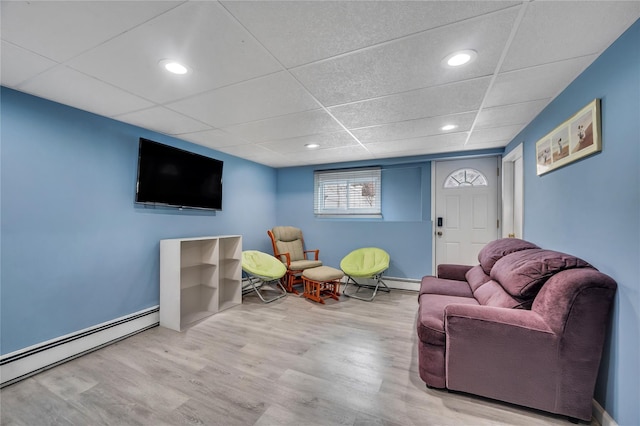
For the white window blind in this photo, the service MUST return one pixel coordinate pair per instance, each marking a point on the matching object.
(347, 192)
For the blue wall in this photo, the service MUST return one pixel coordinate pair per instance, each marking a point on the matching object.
(404, 232)
(592, 208)
(76, 250)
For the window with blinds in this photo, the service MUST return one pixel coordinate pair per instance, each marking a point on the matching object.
(347, 192)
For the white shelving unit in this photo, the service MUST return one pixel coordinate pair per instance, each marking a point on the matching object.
(198, 277)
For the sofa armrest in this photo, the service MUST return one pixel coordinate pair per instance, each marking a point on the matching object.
(500, 353)
(453, 272)
(464, 315)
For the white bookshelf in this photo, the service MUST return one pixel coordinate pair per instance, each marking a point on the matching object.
(198, 277)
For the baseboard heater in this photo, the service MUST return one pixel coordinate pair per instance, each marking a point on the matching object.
(26, 362)
(394, 283)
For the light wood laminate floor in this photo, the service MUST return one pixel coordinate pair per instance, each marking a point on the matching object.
(291, 362)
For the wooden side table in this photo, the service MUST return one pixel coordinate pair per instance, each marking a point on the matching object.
(322, 282)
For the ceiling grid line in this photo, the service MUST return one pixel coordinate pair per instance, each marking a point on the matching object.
(512, 35)
(366, 79)
(320, 104)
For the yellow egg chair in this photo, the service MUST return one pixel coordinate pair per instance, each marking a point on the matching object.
(261, 272)
(365, 263)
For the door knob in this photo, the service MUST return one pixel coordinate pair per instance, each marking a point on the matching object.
(439, 233)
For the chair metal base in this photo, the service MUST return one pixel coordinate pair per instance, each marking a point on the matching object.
(253, 283)
(379, 285)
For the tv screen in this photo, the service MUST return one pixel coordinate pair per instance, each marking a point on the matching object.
(174, 177)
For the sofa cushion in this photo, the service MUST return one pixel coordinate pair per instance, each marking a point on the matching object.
(496, 250)
(476, 277)
(522, 274)
(430, 324)
(492, 294)
(433, 285)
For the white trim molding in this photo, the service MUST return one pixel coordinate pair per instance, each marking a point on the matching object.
(602, 416)
(402, 283)
(26, 362)
(513, 193)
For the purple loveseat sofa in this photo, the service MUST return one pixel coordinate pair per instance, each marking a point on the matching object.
(525, 326)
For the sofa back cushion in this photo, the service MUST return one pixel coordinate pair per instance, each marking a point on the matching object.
(496, 250)
(492, 294)
(523, 273)
(476, 277)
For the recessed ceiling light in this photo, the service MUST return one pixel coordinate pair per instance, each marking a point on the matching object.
(462, 57)
(174, 67)
(448, 127)
(312, 145)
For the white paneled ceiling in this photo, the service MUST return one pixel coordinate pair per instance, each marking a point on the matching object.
(364, 80)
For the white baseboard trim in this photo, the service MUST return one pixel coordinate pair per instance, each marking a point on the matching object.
(26, 362)
(402, 283)
(602, 416)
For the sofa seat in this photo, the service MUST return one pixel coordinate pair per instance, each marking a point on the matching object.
(430, 319)
(526, 326)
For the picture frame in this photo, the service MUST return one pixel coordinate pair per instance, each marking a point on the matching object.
(577, 137)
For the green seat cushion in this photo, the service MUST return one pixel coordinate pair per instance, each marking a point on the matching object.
(263, 265)
(365, 262)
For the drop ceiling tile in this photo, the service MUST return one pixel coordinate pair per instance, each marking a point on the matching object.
(200, 34)
(163, 120)
(69, 87)
(422, 145)
(510, 114)
(553, 31)
(76, 25)
(332, 155)
(410, 63)
(255, 153)
(414, 128)
(302, 32)
(430, 102)
(494, 135)
(212, 138)
(540, 82)
(19, 65)
(270, 96)
(286, 126)
(485, 145)
(325, 140)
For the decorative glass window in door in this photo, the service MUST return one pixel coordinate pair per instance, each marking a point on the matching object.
(465, 178)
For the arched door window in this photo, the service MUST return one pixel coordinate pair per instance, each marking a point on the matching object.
(465, 178)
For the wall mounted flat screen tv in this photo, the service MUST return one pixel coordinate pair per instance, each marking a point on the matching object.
(174, 177)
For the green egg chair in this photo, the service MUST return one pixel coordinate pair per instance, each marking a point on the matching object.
(261, 273)
(365, 263)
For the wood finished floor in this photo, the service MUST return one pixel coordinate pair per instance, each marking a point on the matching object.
(291, 362)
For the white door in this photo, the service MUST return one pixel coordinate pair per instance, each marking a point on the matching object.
(466, 208)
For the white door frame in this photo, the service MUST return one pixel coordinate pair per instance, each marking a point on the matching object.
(433, 204)
(509, 192)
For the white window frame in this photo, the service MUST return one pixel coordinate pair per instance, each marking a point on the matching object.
(351, 202)
(479, 177)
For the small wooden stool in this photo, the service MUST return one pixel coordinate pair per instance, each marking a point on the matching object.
(322, 282)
